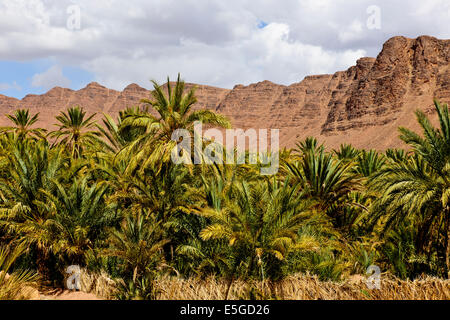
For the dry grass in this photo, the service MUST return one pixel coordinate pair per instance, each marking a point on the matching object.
(17, 285)
(304, 287)
(298, 287)
(98, 283)
(20, 286)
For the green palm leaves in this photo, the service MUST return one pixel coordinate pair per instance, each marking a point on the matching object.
(139, 244)
(322, 177)
(261, 222)
(107, 197)
(23, 123)
(434, 147)
(40, 209)
(420, 186)
(173, 111)
(75, 130)
(19, 283)
(32, 167)
(79, 217)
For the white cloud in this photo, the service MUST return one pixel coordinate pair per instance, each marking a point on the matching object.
(268, 53)
(212, 42)
(352, 32)
(8, 86)
(50, 78)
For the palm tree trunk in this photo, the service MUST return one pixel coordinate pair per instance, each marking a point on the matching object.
(230, 281)
(42, 262)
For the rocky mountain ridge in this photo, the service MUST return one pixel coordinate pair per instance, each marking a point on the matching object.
(363, 105)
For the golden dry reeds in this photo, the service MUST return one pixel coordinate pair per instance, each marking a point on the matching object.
(305, 287)
(296, 287)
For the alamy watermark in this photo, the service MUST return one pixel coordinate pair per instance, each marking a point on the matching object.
(258, 151)
(73, 282)
(74, 17)
(374, 20)
(374, 279)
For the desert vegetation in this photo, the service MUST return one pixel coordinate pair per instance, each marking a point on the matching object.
(105, 195)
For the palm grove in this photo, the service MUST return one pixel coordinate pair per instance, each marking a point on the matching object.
(107, 197)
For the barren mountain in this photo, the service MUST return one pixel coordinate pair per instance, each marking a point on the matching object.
(363, 105)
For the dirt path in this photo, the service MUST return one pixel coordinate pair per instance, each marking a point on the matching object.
(69, 295)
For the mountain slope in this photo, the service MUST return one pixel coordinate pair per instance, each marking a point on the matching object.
(363, 105)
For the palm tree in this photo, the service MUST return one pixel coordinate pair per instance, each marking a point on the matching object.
(369, 162)
(79, 218)
(118, 136)
(260, 222)
(114, 141)
(23, 123)
(206, 257)
(330, 182)
(174, 111)
(309, 144)
(346, 152)
(18, 284)
(323, 178)
(397, 155)
(139, 245)
(420, 187)
(74, 130)
(163, 192)
(32, 167)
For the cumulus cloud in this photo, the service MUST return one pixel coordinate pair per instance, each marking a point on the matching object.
(212, 42)
(268, 53)
(50, 78)
(8, 86)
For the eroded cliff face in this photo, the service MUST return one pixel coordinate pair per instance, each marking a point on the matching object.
(363, 105)
(406, 70)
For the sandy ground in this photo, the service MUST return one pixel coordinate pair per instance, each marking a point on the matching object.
(69, 295)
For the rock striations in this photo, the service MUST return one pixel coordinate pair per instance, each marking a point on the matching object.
(363, 105)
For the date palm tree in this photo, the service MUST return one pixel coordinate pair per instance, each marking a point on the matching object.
(79, 218)
(324, 178)
(173, 111)
(330, 182)
(369, 162)
(260, 222)
(138, 245)
(23, 123)
(17, 284)
(420, 187)
(75, 130)
(115, 134)
(32, 167)
(346, 152)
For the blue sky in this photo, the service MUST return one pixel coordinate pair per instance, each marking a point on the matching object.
(262, 24)
(16, 78)
(69, 43)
